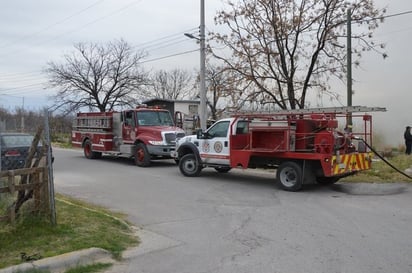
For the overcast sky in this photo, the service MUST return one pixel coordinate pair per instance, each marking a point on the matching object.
(35, 32)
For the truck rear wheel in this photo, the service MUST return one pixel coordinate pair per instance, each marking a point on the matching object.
(289, 175)
(142, 156)
(189, 166)
(88, 152)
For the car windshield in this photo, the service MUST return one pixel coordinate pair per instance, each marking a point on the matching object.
(16, 140)
(154, 118)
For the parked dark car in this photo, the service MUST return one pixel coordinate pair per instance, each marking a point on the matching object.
(14, 150)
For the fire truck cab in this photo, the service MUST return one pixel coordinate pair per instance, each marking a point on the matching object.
(144, 133)
(305, 146)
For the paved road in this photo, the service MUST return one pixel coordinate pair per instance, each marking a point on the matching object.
(241, 222)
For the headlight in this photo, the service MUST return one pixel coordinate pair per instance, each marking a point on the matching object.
(156, 142)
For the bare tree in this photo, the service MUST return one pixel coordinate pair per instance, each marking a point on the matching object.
(222, 92)
(284, 49)
(98, 77)
(174, 84)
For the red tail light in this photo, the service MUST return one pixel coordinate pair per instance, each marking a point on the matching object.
(12, 153)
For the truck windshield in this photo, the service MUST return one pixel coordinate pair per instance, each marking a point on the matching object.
(154, 118)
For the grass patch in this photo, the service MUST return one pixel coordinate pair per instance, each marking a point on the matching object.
(79, 226)
(90, 268)
(66, 144)
(382, 172)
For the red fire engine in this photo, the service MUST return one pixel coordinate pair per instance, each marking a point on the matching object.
(144, 133)
(304, 145)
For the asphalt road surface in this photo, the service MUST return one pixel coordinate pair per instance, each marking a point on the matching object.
(241, 222)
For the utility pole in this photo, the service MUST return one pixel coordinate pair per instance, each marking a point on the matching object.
(203, 106)
(202, 90)
(22, 116)
(349, 66)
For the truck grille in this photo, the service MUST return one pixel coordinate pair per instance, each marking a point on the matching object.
(171, 137)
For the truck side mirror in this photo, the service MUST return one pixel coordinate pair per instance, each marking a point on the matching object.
(199, 133)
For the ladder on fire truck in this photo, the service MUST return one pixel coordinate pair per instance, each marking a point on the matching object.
(101, 122)
(323, 110)
(334, 110)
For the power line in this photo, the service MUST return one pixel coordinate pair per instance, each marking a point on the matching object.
(14, 75)
(164, 45)
(22, 87)
(158, 40)
(396, 14)
(382, 17)
(155, 44)
(93, 21)
(84, 25)
(51, 25)
(30, 86)
(169, 56)
(19, 78)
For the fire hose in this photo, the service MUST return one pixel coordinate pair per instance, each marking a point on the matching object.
(383, 159)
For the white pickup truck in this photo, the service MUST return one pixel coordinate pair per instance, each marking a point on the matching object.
(304, 146)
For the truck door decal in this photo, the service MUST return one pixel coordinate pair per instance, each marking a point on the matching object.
(206, 147)
(218, 147)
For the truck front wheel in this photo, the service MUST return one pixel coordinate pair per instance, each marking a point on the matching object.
(142, 156)
(189, 166)
(289, 175)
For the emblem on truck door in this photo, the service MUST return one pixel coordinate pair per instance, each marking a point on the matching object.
(206, 147)
(218, 147)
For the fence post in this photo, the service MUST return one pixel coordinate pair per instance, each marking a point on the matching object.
(36, 191)
(0, 145)
(11, 184)
(45, 190)
(50, 168)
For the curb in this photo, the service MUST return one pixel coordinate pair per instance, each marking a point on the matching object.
(62, 262)
(150, 242)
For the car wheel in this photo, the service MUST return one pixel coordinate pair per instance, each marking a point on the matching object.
(189, 166)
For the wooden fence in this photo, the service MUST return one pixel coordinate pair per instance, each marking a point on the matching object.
(23, 185)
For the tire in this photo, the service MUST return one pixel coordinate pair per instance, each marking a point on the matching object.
(223, 169)
(323, 180)
(189, 166)
(88, 152)
(97, 155)
(289, 176)
(142, 156)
